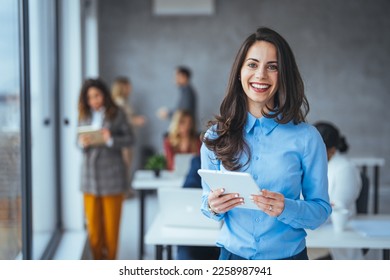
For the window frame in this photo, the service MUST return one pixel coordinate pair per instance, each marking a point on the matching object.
(25, 134)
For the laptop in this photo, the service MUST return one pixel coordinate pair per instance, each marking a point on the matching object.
(181, 208)
(182, 164)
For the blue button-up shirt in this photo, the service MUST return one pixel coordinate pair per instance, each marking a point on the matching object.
(285, 158)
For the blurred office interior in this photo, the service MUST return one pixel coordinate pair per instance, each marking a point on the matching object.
(49, 47)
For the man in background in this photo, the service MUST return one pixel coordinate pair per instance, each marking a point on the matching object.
(187, 99)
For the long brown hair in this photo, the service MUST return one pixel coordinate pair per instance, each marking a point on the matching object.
(119, 88)
(174, 136)
(290, 101)
(85, 109)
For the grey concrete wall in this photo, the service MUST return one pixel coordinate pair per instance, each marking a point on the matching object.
(341, 47)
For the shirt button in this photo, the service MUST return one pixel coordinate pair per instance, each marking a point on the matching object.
(256, 158)
(257, 239)
(257, 219)
(255, 177)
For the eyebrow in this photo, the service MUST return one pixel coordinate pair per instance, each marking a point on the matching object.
(254, 59)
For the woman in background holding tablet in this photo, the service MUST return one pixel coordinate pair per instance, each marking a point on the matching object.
(103, 180)
(261, 130)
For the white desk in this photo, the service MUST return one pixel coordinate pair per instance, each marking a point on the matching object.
(162, 236)
(145, 180)
(373, 162)
(323, 237)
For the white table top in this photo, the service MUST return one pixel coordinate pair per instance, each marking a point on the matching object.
(159, 235)
(146, 180)
(323, 237)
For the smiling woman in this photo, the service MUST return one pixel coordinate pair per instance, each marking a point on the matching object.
(259, 77)
(261, 130)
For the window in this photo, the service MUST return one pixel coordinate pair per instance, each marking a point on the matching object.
(43, 92)
(41, 49)
(10, 134)
(30, 217)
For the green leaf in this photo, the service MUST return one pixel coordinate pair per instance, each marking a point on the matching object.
(157, 161)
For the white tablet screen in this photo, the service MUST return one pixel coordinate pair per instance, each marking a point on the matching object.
(233, 182)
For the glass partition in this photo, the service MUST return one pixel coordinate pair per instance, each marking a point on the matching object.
(43, 93)
(30, 220)
(10, 174)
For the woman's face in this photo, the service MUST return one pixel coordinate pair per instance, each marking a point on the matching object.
(259, 76)
(95, 98)
(185, 125)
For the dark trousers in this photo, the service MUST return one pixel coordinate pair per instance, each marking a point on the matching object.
(226, 255)
(197, 253)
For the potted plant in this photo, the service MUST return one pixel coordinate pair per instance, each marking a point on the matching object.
(156, 163)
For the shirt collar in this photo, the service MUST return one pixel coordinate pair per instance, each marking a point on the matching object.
(266, 124)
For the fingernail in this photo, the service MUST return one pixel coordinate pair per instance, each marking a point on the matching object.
(236, 195)
(260, 193)
(222, 190)
(252, 197)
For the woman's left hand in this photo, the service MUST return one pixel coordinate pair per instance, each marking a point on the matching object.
(106, 134)
(271, 203)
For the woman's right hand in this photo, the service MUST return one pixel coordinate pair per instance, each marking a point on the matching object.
(162, 113)
(220, 203)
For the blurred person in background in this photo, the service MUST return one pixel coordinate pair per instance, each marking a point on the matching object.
(344, 180)
(182, 137)
(121, 92)
(187, 99)
(103, 180)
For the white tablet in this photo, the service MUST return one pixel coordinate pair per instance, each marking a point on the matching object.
(233, 182)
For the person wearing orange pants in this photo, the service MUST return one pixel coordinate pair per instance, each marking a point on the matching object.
(103, 177)
(103, 215)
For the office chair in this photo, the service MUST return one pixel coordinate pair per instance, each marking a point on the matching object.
(362, 201)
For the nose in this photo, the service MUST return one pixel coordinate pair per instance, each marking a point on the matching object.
(260, 73)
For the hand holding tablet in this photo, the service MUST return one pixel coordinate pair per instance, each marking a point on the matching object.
(232, 182)
(93, 136)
